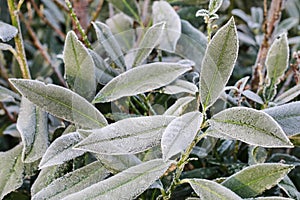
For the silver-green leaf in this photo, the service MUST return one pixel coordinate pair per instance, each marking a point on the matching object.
(125, 185)
(61, 102)
(207, 189)
(61, 150)
(255, 179)
(288, 95)
(150, 40)
(218, 63)
(32, 124)
(287, 116)
(254, 127)
(79, 67)
(73, 182)
(162, 11)
(11, 173)
(110, 44)
(180, 106)
(7, 31)
(277, 59)
(180, 86)
(139, 80)
(180, 133)
(129, 7)
(128, 136)
(214, 6)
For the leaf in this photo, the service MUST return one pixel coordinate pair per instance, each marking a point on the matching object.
(11, 173)
(214, 6)
(180, 106)
(277, 59)
(73, 182)
(255, 179)
(129, 7)
(139, 80)
(149, 41)
(287, 116)
(128, 136)
(207, 189)
(79, 67)
(7, 31)
(110, 44)
(218, 63)
(253, 96)
(287, 185)
(270, 198)
(61, 102)
(180, 86)
(162, 11)
(191, 44)
(254, 127)
(103, 72)
(180, 133)
(61, 150)
(32, 124)
(6, 94)
(125, 185)
(288, 95)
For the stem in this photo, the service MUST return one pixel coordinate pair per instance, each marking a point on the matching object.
(78, 26)
(18, 39)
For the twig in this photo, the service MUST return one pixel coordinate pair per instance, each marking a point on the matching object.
(269, 25)
(44, 53)
(95, 15)
(77, 23)
(18, 39)
(42, 16)
(61, 5)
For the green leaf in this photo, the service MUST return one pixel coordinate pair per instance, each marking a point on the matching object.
(110, 44)
(162, 11)
(254, 127)
(287, 116)
(207, 189)
(139, 80)
(11, 173)
(128, 136)
(61, 102)
(79, 67)
(150, 40)
(61, 150)
(180, 133)
(73, 182)
(32, 124)
(218, 63)
(277, 59)
(129, 7)
(180, 86)
(125, 185)
(269, 198)
(7, 31)
(214, 6)
(255, 179)
(191, 44)
(288, 95)
(180, 106)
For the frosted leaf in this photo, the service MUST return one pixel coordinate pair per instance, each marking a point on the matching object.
(180, 86)
(61, 150)
(288, 95)
(253, 96)
(11, 173)
(162, 11)
(250, 126)
(129, 7)
(110, 44)
(7, 31)
(139, 80)
(270, 198)
(128, 136)
(125, 185)
(32, 124)
(60, 102)
(214, 6)
(180, 133)
(287, 116)
(6, 94)
(150, 41)
(255, 179)
(207, 189)
(218, 63)
(73, 182)
(79, 67)
(179, 107)
(287, 185)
